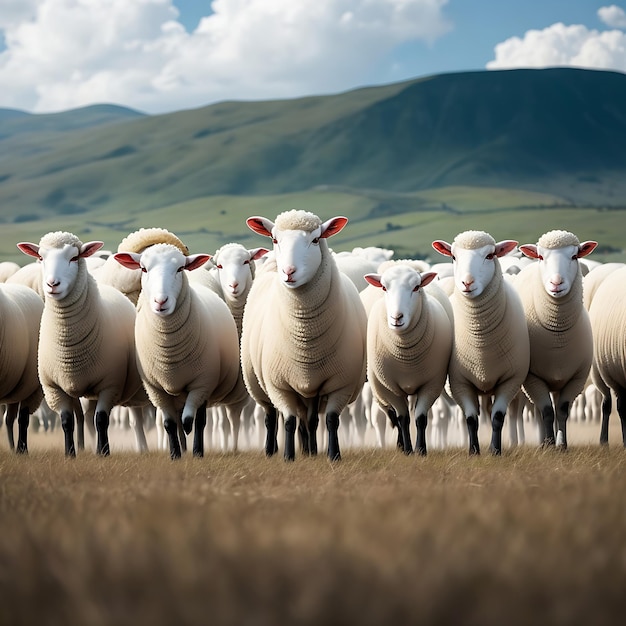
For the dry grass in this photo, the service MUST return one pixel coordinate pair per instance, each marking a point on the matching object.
(375, 539)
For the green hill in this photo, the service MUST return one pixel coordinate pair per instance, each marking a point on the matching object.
(417, 152)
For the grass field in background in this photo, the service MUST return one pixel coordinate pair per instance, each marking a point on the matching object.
(408, 223)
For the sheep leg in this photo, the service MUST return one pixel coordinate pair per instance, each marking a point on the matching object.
(332, 424)
(393, 418)
(405, 432)
(621, 411)
(562, 414)
(23, 419)
(171, 428)
(290, 438)
(303, 436)
(9, 419)
(102, 428)
(198, 434)
(67, 423)
(547, 417)
(472, 432)
(311, 426)
(421, 421)
(80, 422)
(497, 422)
(271, 432)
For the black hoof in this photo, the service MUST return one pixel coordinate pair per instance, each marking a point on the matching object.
(495, 451)
(187, 424)
(21, 448)
(421, 451)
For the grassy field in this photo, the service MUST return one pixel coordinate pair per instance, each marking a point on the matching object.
(379, 538)
(407, 223)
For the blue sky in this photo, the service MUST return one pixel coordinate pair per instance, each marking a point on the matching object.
(163, 55)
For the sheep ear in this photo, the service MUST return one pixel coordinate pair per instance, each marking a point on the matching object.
(128, 259)
(195, 261)
(443, 247)
(260, 225)
(504, 247)
(333, 226)
(89, 248)
(257, 253)
(586, 247)
(427, 277)
(31, 249)
(530, 250)
(373, 279)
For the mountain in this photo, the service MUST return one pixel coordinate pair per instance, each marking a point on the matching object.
(559, 131)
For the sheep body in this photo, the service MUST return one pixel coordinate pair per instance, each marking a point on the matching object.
(491, 349)
(186, 341)
(20, 390)
(607, 314)
(86, 343)
(304, 332)
(409, 342)
(561, 343)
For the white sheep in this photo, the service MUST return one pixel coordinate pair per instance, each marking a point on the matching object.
(607, 314)
(303, 345)
(7, 269)
(561, 344)
(491, 351)
(128, 281)
(409, 342)
(187, 343)
(30, 276)
(20, 390)
(86, 344)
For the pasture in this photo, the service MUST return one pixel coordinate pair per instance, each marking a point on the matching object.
(378, 538)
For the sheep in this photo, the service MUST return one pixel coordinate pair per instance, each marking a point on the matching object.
(303, 343)
(409, 342)
(187, 343)
(30, 276)
(561, 344)
(491, 348)
(128, 281)
(7, 269)
(607, 314)
(20, 390)
(86, 344)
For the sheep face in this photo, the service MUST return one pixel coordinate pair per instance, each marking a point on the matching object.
(402, 286)
(558, 267)
(297, 251)
(59, 265)
(162, 279)
(475, 266)
(233, 269)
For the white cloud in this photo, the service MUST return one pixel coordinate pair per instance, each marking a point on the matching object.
(561, 45)
(613, 16)
(66, 53)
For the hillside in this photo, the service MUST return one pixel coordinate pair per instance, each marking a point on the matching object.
(558, 131)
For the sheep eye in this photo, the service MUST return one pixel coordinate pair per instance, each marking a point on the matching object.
(383, 288)
(274, 240)
(540, 258)
(316, 240)
(72, 260)
(219, 267)
(246, 262)
(181, 268)
(489, 257)
(143, 269)
(453, 257)
(417, 288)
(575, 257)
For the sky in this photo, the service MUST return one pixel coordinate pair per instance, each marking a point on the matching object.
(158, 56)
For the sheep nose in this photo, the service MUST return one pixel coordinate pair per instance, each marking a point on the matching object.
(234, 285)
(556, 280)
(397, 317)
(160, 299)
(289, 270)
(467, 281)
(52, 282)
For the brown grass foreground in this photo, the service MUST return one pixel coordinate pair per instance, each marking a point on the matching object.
(378, 538)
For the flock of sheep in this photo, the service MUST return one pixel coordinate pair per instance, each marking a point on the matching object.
(283, 336)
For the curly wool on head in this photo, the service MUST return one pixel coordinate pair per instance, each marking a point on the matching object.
(296, 219)
(472, 239)
(143, 238)
(58, 239)
(558, 239)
